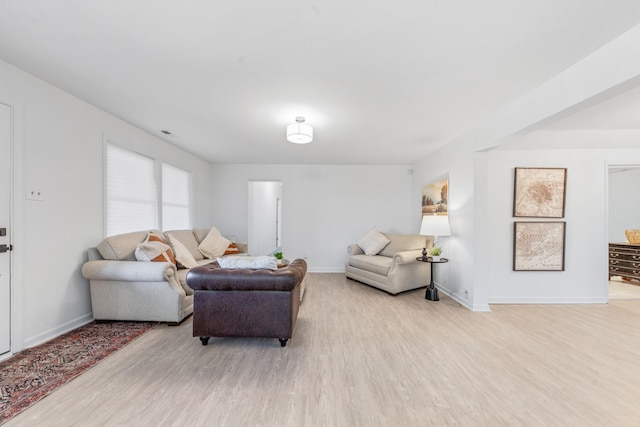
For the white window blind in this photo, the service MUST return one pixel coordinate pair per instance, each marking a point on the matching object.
(176, 198)
(131, 195)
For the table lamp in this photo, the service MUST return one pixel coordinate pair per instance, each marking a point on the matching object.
(434, 225)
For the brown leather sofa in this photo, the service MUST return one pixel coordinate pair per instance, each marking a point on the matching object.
(246, 303)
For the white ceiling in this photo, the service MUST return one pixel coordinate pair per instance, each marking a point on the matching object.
(381, 82)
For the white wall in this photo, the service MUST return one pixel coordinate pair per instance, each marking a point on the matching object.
(324, 208)
(480, 248)
(481, 183)
(61, 155)
(585, 276)
(624, 203)
(458, 277)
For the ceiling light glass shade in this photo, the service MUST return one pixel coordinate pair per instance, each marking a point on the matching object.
(299, 132)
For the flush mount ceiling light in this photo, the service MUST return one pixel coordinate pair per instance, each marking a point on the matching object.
(299, 132)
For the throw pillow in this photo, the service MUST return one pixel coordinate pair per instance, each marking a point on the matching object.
(232, 249)
(154, 249)
(250, 262)
(183, 256)
(214, 245)
(373, 242)
(155, 237)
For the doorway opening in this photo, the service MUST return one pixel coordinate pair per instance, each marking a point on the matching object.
(265, 217)
(623, 213)
(6, 230)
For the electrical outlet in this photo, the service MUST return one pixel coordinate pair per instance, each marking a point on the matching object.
(36, 195)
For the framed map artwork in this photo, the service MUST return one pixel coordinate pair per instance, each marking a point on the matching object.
(538, 246)
(539, 192)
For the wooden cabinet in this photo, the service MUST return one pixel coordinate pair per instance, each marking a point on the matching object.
(624, 260)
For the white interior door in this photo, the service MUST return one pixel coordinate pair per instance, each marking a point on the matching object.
(5, 215)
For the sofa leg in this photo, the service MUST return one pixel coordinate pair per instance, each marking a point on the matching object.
(283, 341)
(204, 340)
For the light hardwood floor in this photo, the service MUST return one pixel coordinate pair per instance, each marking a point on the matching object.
(622, 289)
(360, 357)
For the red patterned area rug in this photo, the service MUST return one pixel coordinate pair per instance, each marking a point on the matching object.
(36, 372)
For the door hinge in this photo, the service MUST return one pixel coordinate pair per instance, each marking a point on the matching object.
(5, 248)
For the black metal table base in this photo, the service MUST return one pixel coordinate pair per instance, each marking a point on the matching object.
(432, 293)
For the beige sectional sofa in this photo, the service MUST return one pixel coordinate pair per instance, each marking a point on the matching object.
(393, 269)
(123, 288)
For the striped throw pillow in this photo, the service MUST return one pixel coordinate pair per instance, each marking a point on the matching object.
(154, 249)
(232, 249)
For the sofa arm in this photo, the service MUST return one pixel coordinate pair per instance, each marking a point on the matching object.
(406, 257)
(129, 271)
(354, 250)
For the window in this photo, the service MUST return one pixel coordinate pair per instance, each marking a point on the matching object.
(176, 198)
(131, 193)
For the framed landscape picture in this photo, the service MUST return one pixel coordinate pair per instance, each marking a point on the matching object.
(539, 192)
(435, 197)
(538, 246)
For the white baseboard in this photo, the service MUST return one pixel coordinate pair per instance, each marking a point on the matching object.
(55, 332)
(457, 297)
(326, 270)
(538, 300)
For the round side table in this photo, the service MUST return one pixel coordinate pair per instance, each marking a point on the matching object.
(432, 292)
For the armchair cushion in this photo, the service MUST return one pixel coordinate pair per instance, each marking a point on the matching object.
(376, 264)
(373, 242)
(403, 242)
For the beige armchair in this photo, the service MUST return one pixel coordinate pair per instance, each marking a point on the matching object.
(394, 269)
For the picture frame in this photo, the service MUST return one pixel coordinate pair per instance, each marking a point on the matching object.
(539, 192)
(539, 246)
(435, 197)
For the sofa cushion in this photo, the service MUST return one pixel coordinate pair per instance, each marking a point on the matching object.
(201, 233)
(188, 239)
(214, 245)
(375, 264)
(182, 275)
(183, 255)
(182, 278)
(154, 249)
(373, 242)
(403, 242)
(121, 246)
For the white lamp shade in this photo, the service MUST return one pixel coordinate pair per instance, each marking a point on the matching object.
(299, 133)
(435, 225)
